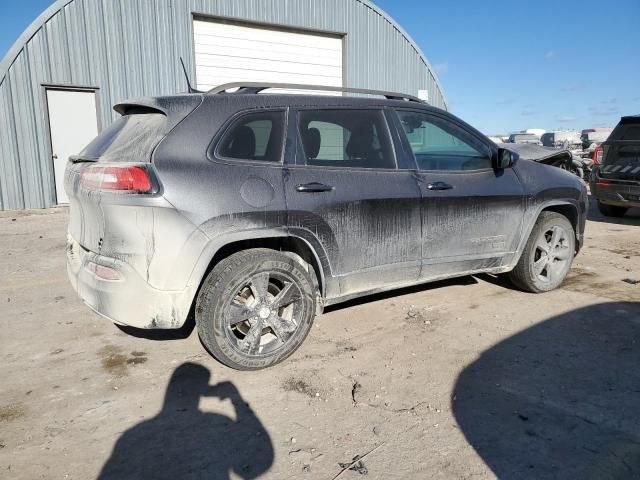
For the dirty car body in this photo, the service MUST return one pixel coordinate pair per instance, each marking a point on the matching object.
(347, 187)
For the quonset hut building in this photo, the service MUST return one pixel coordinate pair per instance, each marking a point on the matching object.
(80, 57)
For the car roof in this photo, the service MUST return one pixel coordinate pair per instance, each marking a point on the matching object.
(630, 119)
(301, 100)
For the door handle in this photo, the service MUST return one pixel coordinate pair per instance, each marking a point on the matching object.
(439, 186)
(314, 187)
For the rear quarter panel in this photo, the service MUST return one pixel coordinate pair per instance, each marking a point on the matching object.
(225, 200)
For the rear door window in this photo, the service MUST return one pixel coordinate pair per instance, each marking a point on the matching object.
(345, 139)
(256, 136)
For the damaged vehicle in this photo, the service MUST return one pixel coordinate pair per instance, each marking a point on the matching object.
(615, 182)
(255, 211)
(564, 159)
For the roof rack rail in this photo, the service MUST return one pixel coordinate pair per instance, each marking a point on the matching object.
(249, 88)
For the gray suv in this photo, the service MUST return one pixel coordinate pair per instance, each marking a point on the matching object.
(255, 211)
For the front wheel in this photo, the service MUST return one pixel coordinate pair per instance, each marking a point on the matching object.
(548, 255)
(255, 308)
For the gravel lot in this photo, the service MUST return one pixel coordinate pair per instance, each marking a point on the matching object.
(461, 379)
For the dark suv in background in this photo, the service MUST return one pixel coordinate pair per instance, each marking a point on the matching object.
(616, 182)
(255, 211)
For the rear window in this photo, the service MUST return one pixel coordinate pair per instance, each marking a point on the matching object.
(131, 138)
(622, 149)
(626, 132)
(256, 136)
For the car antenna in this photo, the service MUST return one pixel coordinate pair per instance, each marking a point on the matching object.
(186, 76)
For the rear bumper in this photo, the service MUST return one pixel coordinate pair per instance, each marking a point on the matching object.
(127, 300)
(625, 194)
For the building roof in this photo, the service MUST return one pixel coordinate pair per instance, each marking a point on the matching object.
(58, 5)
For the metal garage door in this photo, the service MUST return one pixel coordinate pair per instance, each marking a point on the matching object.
(232, 53)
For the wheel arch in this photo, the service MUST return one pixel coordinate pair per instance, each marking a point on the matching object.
(566, 208)
(298, 248)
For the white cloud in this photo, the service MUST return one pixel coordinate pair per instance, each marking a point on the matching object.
(578, 87)
(600, 111)
(549, 55)
(566, 119)
(441, 68)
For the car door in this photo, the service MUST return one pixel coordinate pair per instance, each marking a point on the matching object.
(472, 214)
(345, 194)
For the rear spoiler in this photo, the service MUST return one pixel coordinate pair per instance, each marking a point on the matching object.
(150, 104)
(175, 107)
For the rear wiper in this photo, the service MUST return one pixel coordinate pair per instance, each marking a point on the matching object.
(82, 158)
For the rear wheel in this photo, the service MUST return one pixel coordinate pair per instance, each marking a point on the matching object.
(611, 210)
(255, 309)
(548, 255)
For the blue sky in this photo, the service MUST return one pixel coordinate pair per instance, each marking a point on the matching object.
(551, 64)
(504, 65)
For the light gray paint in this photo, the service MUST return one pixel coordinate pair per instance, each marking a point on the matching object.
(131, 48)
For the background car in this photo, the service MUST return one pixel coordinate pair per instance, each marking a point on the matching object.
(524, 138)
(569, 139)
(592, 137)
(616, 181)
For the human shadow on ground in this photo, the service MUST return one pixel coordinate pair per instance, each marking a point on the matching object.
(183, 442)
(559, 400)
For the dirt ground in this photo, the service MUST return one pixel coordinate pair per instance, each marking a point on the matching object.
(466, 379)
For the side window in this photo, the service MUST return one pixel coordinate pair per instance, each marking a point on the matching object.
(438, 144)
(255, 136)
(345, 138)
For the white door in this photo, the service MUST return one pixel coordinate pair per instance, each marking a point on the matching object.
(73, 123)
(233, 53)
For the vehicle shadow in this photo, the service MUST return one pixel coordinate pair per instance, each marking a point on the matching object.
(375, 297)
(560, 399)
(632, 217)
(161, 335)
(183, 442)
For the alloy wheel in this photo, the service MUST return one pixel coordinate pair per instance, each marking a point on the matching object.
(264, 314)
(552, 254)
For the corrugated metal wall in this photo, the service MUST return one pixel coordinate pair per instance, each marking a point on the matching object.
(131, 48)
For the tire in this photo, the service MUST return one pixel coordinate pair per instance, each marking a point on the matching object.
(255, 308)
(611, 210)
(538, 270)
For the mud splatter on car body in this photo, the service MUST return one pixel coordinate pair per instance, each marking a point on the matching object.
(374, 230)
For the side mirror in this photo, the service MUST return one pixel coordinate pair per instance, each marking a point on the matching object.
(505, 159)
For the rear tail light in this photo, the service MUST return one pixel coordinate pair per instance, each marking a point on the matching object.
(117, 179)
(598, 155)
(105, 273)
